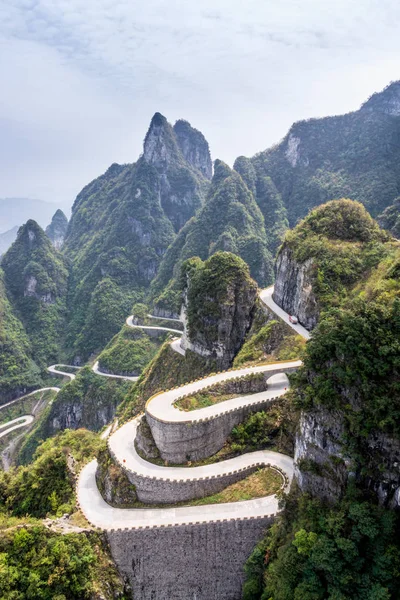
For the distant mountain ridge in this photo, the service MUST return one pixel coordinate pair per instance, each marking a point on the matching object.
(16, 211)
(356, 155)
(7, 238)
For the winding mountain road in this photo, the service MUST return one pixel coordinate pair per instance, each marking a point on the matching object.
(104, 516)
(15, 424)
(54, 370)
(161, 408)
(130, 323)
(96, 370)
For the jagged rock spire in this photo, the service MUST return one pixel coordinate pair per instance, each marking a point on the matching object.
(57, 229)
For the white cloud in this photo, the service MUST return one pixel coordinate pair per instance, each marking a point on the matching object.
(81, 78)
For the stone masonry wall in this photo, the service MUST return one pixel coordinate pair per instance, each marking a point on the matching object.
(151, 490)
(187, 562)
(194, 440)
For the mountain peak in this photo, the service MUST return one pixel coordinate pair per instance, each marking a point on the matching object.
(221, 172)
(57, 229)
(194, 147)
(160, 145)
(31, 232)
(387, 101)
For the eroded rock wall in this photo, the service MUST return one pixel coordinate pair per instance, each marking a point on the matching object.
(293, 289)
(324, 463)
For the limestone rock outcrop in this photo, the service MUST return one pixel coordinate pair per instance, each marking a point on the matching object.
(387, 101)
(194, 147)
(180, 161)
(293, 288)
(57, 229)
(217, 314)
(323, 466)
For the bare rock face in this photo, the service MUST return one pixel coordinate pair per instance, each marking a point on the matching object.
(293, 288)
(194, 147)
(159, 145)
(387, 101)
(323, 467)
(144, 441)
(182, 164)
(57, 229)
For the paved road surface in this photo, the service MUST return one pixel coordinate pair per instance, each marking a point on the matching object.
(266, 297)
(15, 424)
(129, 322)
(164, 318)
(162, 407)
(54, 369)
(102, 515)
(96, 370)
(122, 445)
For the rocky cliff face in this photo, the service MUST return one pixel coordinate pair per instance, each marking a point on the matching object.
(341, 156)
(57, 229)
(323, 465)
(293, 288)
(194, 147)
(387, 101)
(180, 161)
(218, 305)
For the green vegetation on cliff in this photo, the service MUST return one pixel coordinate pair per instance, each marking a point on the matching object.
(121, 226)
(216, 287)
(353, 361)
(52, 559)
(268, 199)
(390, 218)
(268, 340)
(348, 552)
(356, 155)
(18, 372)
(46, 486)
(39, 564)
(230, 220)
(345, 245)
(130, 351)
(107, 310)
(36, 280)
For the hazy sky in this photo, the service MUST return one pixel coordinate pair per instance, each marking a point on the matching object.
(81, 79)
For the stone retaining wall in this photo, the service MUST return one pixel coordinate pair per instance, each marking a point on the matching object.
(196, 439)
(187, 562)
(155, 490)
